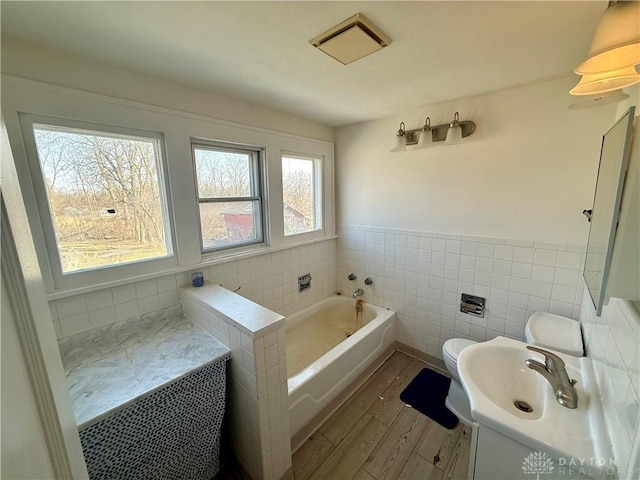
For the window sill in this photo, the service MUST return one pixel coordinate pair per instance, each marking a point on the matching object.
(208, 260)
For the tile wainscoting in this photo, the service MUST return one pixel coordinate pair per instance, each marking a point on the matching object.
(421, 276)
(270, 280)
(613, 343)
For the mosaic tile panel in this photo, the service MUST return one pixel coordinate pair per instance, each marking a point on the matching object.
(170, 434)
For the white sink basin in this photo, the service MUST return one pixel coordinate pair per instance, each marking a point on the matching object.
(498, 375)
(494, 376)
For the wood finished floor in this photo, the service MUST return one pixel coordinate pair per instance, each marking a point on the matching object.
(375, 436)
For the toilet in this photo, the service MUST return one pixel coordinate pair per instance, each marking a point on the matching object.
(456, 400)
(543, 329)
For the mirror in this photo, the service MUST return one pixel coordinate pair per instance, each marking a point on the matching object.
(614, 155)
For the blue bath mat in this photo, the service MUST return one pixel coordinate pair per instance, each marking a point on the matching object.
(426, 393)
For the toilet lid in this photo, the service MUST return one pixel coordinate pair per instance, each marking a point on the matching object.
(454, 346)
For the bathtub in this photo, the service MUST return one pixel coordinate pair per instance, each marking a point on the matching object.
(325, 353)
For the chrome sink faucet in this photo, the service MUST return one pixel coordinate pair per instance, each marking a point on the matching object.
(555, 372)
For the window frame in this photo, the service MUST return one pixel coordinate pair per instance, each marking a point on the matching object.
(258, 189)
(101, 274)
(318, 192)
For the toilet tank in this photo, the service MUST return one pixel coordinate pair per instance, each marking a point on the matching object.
(562, 334)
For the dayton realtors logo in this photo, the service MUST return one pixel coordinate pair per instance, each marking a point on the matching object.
(537, 463)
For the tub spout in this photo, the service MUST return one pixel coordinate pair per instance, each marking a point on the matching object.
(358, 293)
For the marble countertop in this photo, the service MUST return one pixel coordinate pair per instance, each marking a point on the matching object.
(111, 367)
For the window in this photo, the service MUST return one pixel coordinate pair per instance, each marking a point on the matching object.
(105, 196)
(301, 194)
(229, 195)
(114, 194)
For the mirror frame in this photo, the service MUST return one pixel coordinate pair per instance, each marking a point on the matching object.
(597, 289)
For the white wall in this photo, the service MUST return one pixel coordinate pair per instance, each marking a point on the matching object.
(59, 68)
(24, 451)
(527, 172)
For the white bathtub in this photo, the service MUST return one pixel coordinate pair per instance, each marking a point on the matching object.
(322, 360)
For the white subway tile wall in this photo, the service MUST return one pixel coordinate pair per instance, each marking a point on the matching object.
(421, 275)
(258, 396)
(270, 280)
(613, 343)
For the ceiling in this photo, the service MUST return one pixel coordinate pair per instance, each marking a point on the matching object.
(259, 52)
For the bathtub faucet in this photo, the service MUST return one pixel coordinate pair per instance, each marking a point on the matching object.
(358, 293)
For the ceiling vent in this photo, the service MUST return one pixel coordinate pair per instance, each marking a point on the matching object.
(352, 39)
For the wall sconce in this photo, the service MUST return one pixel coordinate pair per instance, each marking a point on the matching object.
(449, 133)
(614, 51)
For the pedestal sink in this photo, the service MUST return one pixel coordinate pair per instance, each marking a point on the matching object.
(519, 403)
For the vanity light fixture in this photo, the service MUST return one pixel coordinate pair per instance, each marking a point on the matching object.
(449, 133)
(615, 50)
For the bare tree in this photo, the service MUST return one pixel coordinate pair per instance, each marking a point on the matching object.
(102, 188)
(297, 191)
(223, 174)
(51, 153)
